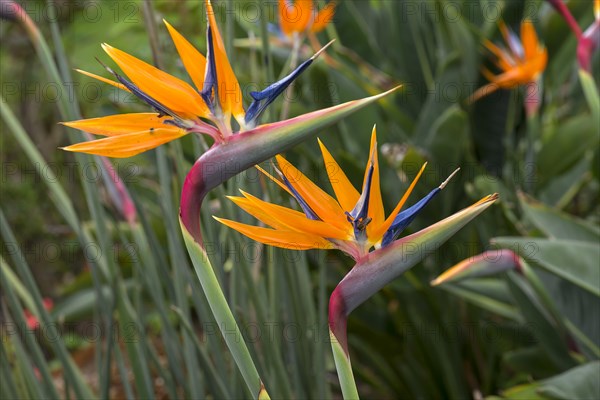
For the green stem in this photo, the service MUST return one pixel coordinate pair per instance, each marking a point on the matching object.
(344, 369)
(222, 313)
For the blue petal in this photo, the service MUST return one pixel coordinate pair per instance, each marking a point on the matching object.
(161, 109)
(404, 218)
(515, 44)
(210, 90)
(265, 97)
(310, 214)
(358, 217)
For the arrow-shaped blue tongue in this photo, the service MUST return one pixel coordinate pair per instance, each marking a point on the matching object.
(265, 97)
(407, 216)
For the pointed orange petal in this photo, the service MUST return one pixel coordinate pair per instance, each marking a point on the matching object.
(306, 13)
(325, 206)
(345, 192)
(295, 16)
(529, 39)
(102, 79)
(506, 33)
(174, 93)
(128, 144)
(193, 61)
(230, 92)
(114, 125)
(378, 234)
(285, 239)
(323, 18)
(483, 91)
(285, 20)
(376, 211)
(488, 74)
(504, 61)
(290, 219)
(250, 207)
(514, 77)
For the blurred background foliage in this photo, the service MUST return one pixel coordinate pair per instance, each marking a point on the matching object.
(472, 339)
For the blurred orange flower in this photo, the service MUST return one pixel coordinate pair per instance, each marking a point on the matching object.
(521, 64)
(300, 16)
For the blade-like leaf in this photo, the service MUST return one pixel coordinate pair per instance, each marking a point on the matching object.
(543, 327)
(223, 315)
(574, 261)
(577, 383)
(558, 225)
(483, 293)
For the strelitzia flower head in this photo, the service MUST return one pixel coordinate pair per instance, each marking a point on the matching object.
(352, 222)
(179, 109)
(299, 17)
(588, 40)
(522, 63)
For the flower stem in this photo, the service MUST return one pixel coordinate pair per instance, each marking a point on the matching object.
(339, 344)
(344, 369)
(223, 315)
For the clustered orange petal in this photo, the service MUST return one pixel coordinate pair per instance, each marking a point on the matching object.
(301, 16)
(521, 64)
(131, 134)
(326, 221)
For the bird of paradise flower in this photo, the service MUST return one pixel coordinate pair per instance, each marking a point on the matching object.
(354, 223)
(520, 64)
(214, 108)
(302, 17)
(179, 108)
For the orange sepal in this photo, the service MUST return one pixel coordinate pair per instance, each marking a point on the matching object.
(279, 238)
(295, 16)
(345, 192)
(323, 18)
(114, 125)
(529, 39)
(103, 79)
(325, 206)
(174, 93)
(128, 144)
(380, 231)
(376, 211)
(279, 217)
(193, 61)
(230, 93)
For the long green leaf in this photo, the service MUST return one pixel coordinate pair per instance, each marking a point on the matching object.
(223, 315)
(580, 382)
(559, 225)
(574, 261)
(544, 328)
